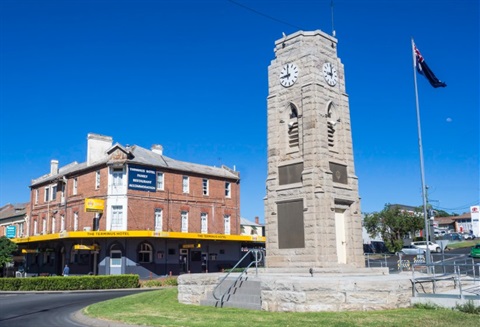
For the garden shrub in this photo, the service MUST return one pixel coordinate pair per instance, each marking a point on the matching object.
(59, 283)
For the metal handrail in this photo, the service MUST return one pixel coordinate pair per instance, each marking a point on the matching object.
(456, 276)
(258, 258)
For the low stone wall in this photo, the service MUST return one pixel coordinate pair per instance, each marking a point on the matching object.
(323, 292)
(334, 293)
(194, 287)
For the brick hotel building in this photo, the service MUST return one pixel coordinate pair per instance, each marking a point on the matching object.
(128, 209)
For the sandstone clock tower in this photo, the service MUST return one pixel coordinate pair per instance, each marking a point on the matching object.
(312, 206)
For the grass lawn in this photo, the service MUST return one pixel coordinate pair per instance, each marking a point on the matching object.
(463, 244)
(161, 308)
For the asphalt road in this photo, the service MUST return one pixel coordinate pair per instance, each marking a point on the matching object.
(39, 309)
(391, 261)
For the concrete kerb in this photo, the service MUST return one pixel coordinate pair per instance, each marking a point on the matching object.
(80, 317)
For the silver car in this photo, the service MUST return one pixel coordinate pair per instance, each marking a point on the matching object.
(411, 250)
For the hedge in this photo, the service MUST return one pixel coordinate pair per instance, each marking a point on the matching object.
(60, 283)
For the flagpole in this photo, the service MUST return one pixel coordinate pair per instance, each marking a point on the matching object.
(422, 170)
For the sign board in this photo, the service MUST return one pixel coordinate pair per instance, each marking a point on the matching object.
(29, 251)
(443, 244)
(191, 246)
(85, 247)
(142, 178)
(11, 231)
(475, 214)
(94, 205)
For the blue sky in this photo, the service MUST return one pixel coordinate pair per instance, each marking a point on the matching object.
(192, 76)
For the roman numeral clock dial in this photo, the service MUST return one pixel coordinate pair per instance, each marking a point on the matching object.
(288, 75)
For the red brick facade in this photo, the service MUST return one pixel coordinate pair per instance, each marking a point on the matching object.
(141, 204)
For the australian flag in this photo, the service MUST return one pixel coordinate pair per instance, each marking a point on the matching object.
(423, 69)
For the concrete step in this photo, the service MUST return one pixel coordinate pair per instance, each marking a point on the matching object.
(244, 294)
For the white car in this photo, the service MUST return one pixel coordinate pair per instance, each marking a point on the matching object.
(434, 247)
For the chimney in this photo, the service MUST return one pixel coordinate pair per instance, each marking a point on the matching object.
(97, 146)
(257, 221)
(53, 167)
(157, 148)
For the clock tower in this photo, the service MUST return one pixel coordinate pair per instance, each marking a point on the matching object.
(312, 206)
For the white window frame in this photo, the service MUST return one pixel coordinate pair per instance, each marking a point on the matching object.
(54, 224)
(116, 262)
(145, 248)
(35, 227)
(21, 229)
(46, 195)
(204, 223)
(36, 196)
(205, 183)
(97, 179)
(228, 189)
(62, 223)
(44, 225)
(184, 220)
(62, 193)
(75, 221)
(226, 224)
(185, 184)
(160, 181)
(117, 176)
(158, 219)
(75, 186)
(117, 218)
(54, 189)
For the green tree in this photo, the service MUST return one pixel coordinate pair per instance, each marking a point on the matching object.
(392, 224)
(442, 213)
(7, 248)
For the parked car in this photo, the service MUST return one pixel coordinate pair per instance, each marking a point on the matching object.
(475, 251)
(453, 237)
(468, 236)
(439, 232)
(411, 250)
(434, 247)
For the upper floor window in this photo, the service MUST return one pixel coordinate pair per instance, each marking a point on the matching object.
(158, 219)
(117, 217)
(44, 226)
(160, 181)
(205, 186)
(75, 221)
(21, 230)
(228, 190)
(226, 223)
(185, 184)
(117, 174)
(75, 186)
(54, 226)
(47, 194)
(62, 223)
(97, 179)
(145, 253)
(184, 222)
(204, 222)
(36, 196)
(54, 192)
(35, 227)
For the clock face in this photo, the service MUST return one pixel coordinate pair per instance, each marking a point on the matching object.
(330, 74)
(289, 75)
